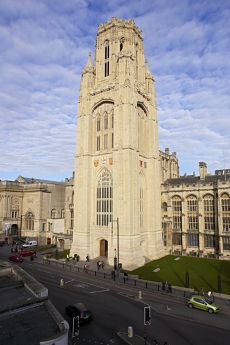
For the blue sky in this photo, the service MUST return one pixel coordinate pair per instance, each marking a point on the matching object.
(45, 45)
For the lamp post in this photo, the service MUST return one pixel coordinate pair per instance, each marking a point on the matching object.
(117, 251)
(219, 285)
(187, 276)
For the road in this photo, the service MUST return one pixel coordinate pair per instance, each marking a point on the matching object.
(115, 307)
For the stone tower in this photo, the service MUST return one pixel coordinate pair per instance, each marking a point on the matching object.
(117, 211)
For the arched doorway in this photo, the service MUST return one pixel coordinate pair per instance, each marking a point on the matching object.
(14, 230)
(103, 248)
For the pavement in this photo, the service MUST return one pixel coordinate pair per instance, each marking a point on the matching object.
(134, 339)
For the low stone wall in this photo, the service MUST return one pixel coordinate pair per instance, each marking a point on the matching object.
(36, 288)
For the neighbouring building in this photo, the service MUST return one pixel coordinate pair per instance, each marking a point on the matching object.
(34, 209)
(196, 214)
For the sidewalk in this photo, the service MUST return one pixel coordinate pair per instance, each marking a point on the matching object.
(134, 340)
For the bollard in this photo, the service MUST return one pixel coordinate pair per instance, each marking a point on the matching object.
(140, 295)
(130, 332)
(61, 282)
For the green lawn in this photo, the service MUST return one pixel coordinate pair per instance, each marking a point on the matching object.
(203, 273)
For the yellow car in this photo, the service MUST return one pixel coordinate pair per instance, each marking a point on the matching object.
(204, 303)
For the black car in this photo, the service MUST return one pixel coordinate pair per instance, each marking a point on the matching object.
(79, 309)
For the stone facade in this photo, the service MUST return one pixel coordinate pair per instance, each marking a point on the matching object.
(196, 214)
(117, 175)
(29, 208)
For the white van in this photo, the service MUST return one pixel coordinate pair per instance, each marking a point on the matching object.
(30, 244)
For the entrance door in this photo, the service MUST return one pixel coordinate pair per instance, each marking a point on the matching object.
(103, 248)
(14, 230)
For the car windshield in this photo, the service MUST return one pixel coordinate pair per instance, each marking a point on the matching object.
(209, 301)
(85, 314)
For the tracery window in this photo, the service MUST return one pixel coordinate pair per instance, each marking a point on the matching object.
(193, 240)
(104, 199)
(209, 213)
(225, 205)
(104, 128)
(29, 221)
(176, 239)
(209, 241)
(226, 243)
(53, 213)
(192, 213)
(177, 213)
(107, 58)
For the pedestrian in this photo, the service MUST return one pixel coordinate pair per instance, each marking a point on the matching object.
(87, 258)
(210, 296)
(102, 264)
(202, 291)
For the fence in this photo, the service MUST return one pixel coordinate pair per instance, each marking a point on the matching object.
(134, 281)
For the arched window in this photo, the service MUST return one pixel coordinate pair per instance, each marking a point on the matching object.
(192, 220)
(164, 206)
(104, 132)
(209, 212)
(177, 220)
(225, 205)
(122, 41)
(106, 58)
(104, 199)
(29, 221)
(53, 213)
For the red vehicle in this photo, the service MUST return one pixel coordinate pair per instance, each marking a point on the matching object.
(24, 252)
(16, 258)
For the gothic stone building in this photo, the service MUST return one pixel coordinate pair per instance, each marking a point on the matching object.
(129, 201)
(126, 200)
(117, 174)
(196, 214)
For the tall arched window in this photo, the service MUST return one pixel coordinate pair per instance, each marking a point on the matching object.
(209, 221)
(107, 58)
(104, 127)
(209, 212)
(192, 219)
(29, 221)
(104, 199)
(225, 205)
(177, 220)
(53, 213)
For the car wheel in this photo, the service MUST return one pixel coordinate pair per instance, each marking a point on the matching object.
(210, 310)
(190, 305)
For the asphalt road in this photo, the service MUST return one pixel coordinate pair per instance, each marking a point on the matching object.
(115, 307)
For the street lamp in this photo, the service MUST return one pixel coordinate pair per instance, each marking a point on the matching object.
(187, 276)
(117, 250)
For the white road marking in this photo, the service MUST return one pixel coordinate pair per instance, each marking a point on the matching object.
(99, 291)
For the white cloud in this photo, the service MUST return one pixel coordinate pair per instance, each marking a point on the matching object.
(45, 46)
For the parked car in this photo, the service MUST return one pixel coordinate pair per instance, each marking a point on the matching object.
(24, 252)
(204, 303)
(16, 258)
(30, 244)
(79, 309)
